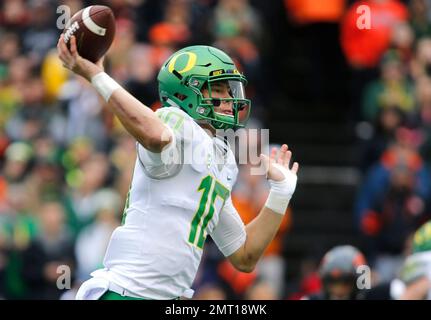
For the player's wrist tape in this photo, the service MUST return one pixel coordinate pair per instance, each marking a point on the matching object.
(104, 84)
(277, 202)
(281, 191)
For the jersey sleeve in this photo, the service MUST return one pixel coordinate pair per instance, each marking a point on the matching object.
(168, 162)
(229, 234)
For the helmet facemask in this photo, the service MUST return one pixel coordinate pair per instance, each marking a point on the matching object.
(221, 102)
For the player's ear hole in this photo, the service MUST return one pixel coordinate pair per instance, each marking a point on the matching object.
(180, 96)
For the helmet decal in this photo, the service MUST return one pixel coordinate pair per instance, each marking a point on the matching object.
(191, 62)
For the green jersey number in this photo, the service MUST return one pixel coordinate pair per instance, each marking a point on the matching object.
(211, 189)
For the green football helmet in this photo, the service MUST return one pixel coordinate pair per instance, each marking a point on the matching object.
(422, 238)
(190, 70)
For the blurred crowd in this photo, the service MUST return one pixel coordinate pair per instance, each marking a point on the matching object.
(394, 64)
(67, 162)
(387, 48)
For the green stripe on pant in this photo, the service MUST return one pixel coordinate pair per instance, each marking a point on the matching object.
(111, 295)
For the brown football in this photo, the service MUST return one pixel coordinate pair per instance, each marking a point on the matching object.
(94, 29)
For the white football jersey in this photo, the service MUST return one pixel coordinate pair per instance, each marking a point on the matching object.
(176, 199)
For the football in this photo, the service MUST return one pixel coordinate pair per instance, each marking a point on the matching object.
(94, 30)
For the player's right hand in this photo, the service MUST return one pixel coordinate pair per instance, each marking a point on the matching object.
(280, 176)
(74, 62)
(274, 164)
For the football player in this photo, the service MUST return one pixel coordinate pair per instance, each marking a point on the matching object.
(416, 271)
(183, 177)
(338, 274)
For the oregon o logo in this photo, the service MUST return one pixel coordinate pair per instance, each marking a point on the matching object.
(191, 62)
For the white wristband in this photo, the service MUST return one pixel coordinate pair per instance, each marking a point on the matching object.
(277, 202)
(105, 85)
(281, 191)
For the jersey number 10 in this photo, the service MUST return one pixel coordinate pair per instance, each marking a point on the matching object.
(211, 189)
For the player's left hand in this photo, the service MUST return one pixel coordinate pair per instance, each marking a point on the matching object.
(277, 164)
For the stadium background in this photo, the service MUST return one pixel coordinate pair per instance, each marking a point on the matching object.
(353, 105)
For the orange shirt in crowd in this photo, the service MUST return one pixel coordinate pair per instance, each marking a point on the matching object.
(311, 11)
(363, 47)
